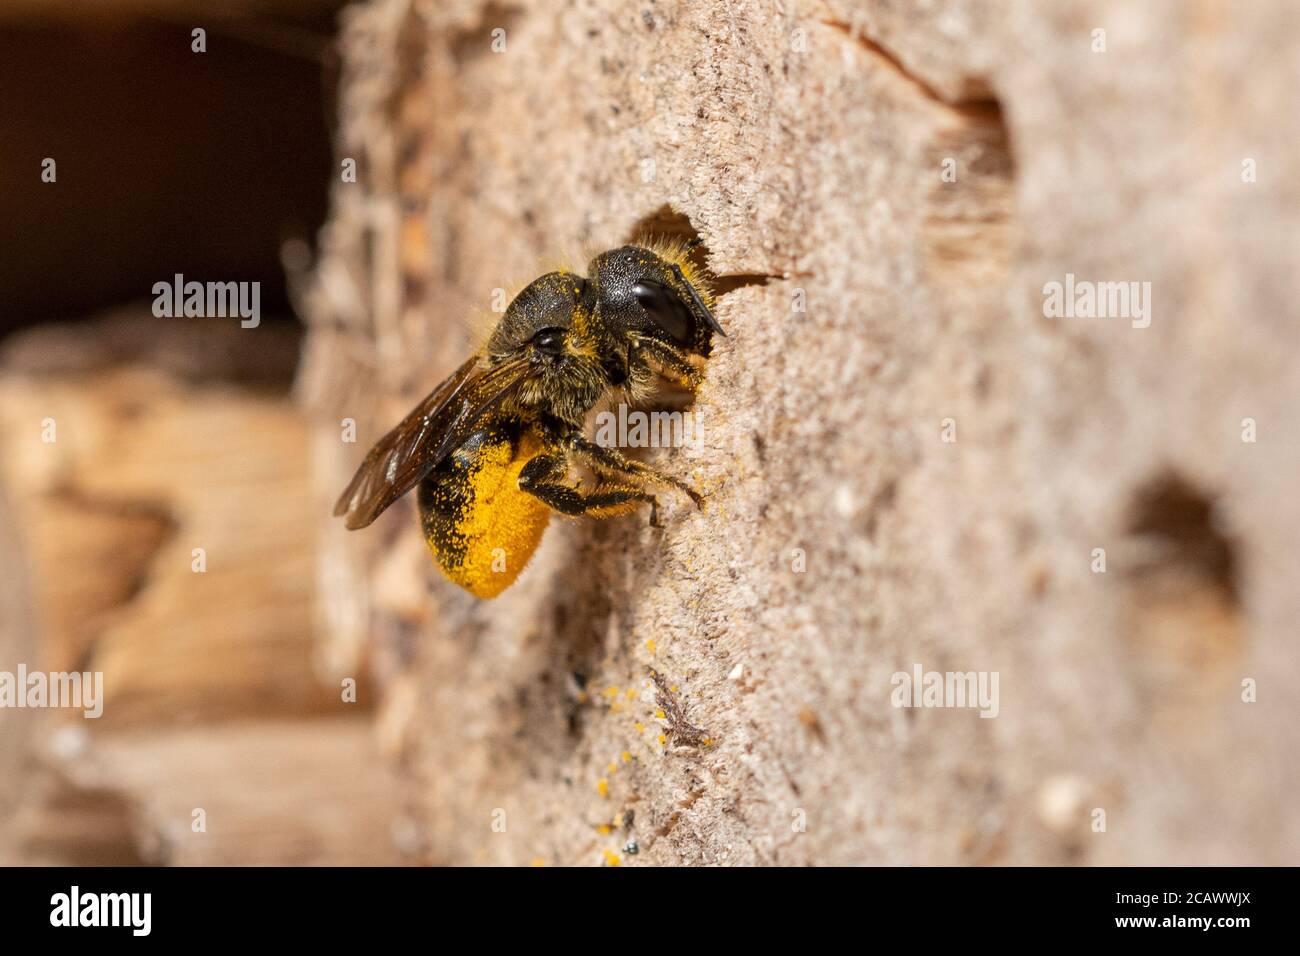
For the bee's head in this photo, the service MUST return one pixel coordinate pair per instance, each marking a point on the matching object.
(547, 329)
(638, 291)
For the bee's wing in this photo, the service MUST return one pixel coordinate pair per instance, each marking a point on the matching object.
(433, 430)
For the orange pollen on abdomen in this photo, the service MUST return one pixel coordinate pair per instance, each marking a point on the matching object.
(502, 526)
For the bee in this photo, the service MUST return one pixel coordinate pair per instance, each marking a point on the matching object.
(491, 449)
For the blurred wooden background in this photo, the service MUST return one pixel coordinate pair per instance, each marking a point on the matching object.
(171, 435)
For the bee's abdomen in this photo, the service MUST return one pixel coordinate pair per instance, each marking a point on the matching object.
(480, 527)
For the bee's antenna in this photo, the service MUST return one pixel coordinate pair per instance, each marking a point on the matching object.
(704, 309)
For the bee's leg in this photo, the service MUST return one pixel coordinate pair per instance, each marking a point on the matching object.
(613, 460)
(674, 363)
(543, 478)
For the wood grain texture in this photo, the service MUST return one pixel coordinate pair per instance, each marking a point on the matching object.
(170, 437)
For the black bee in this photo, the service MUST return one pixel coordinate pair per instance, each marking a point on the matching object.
(492, 447)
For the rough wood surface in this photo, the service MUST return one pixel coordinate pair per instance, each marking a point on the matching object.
(806, 142)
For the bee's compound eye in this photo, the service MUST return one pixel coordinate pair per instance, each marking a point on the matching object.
(550, 341)
(666, 308)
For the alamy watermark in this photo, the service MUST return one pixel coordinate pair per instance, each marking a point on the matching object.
(922, 688)
(632, 428)
(55, 689)
(1084, 299)
(208, 300)
(133, 911)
